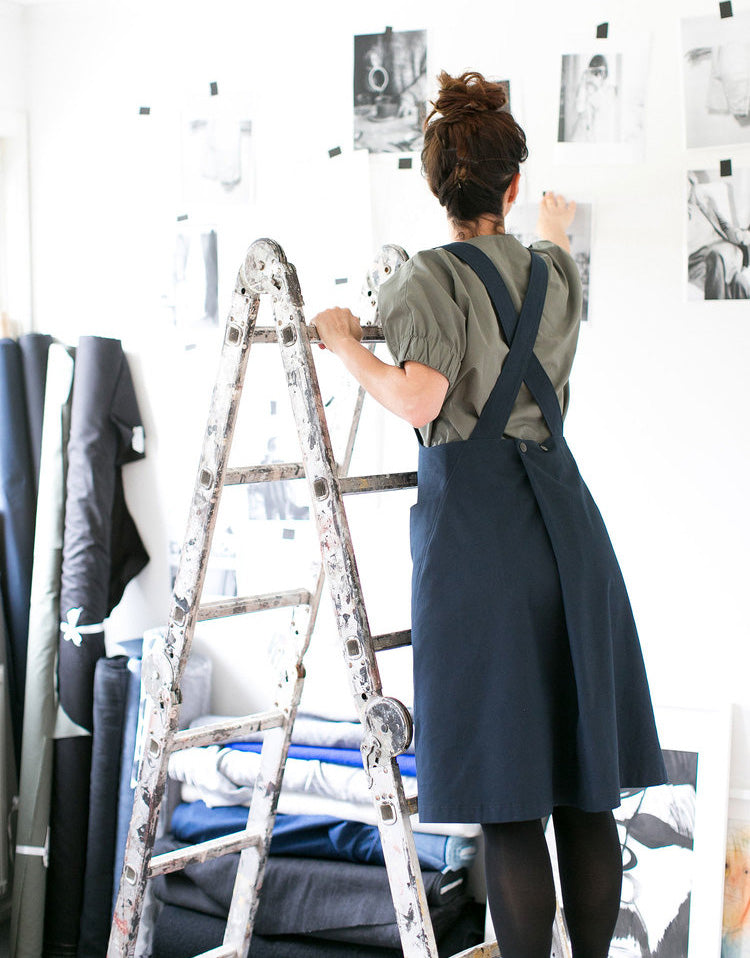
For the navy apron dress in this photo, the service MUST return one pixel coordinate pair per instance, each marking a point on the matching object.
(529, 684)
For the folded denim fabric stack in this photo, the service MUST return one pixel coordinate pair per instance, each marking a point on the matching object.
(325, 890)
(310, 906)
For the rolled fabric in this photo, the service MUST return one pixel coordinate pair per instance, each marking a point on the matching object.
(17, 510)
(110, 697)
(102, 551)
(30, 873)
(34, 353)
(126, 789)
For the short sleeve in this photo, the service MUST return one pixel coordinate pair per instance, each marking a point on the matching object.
(421, 321)
(565, 273)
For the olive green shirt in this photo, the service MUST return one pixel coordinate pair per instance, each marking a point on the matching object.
(435, 310)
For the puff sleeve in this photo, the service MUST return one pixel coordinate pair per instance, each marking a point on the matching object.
(421, 321)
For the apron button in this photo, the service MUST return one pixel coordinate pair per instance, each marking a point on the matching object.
(522, 446)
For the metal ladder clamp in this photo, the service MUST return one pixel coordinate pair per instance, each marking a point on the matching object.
(386, 723)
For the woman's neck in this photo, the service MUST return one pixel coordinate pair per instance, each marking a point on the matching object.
(482, 226)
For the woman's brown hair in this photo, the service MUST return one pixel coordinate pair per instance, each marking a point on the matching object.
(472, 147)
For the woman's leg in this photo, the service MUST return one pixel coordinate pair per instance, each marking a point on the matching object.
(520, 888)
(590, 863)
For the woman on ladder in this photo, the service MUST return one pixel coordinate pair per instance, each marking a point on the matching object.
(530, 694)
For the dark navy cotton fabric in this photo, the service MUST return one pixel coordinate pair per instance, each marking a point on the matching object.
(530, 689)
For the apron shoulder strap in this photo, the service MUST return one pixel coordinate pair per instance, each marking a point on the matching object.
(521, 364)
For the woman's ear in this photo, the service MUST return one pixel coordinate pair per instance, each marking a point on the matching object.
(511, 194)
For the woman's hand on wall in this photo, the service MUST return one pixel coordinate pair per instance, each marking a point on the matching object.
(555, 216)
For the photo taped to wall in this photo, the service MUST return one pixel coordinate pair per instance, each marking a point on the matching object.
(522, 224)
(718, 234)
(735, 937)
(217, 164)
(602, 102)
(390, 90)
(716, 80)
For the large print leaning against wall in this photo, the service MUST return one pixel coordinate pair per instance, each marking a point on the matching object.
(718, 235)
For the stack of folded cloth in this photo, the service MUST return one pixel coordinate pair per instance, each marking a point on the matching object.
(325, 890)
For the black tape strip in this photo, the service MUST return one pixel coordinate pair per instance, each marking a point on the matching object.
(341, 281)
(336, 151)
(182, 218)
(404, 163)
(145, 111)
(725, 9)
(602, 31)
(725, 167)
(214, 89)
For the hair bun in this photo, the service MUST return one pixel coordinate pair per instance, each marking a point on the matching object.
(471, 93)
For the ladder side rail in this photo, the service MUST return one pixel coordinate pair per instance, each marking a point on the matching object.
(405, 876)
(163, 669)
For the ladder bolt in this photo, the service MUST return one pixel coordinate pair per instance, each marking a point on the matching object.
(234, 335)
(178, 615)
(289, 335)
(206, 478)
(129, 874)
(320, 488)
(154, 748)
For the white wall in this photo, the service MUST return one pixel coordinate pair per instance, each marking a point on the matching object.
(657, 418)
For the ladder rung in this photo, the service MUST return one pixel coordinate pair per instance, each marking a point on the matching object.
(269, 472)
(229, 731)
(203, 852)
(253, 603)
(267, 334)
(223, 951)
(391, 640)
(411, 804)
(350, 485)
(488, 949)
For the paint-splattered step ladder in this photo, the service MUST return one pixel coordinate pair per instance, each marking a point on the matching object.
(386, 723)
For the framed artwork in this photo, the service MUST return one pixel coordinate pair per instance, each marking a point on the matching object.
(735, 932)
(673, 840)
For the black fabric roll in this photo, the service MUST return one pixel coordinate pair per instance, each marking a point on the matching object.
(101, 552)
(17, 511)
(110, 695)
(34, 348)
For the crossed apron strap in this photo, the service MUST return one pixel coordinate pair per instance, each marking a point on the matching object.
(520, 332)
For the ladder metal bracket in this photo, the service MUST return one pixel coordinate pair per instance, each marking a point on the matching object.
(158, 678)
(388, 731)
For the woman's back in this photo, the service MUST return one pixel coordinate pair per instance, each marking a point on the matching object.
(436, 311)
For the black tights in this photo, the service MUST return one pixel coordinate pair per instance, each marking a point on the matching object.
(521, 891)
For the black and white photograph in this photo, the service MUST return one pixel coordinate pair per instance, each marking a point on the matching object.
(602, 103)
(718, 234)
(716, 80)
(195, 278)
(217, 153)
(522, 224)
(390, 90)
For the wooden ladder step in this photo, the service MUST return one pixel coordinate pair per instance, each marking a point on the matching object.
(488, 949)
(391, 640)
(223, 951)
(412, 804)
(267, 334)
(203, 852)
(241, 605)
(230, 731)
(349, 485)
